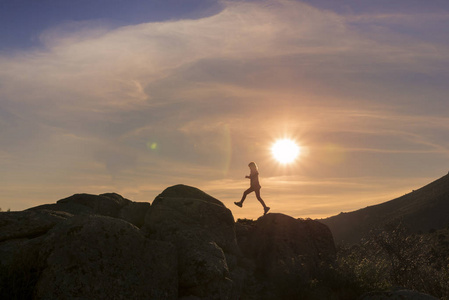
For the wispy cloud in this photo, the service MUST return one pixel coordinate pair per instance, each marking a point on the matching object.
(140, 107)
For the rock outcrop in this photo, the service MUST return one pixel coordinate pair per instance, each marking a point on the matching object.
(185, 245)
(97, 257)
(110, 204)
(29, 224)
(202, 230)
(287, 252)
(397, 295)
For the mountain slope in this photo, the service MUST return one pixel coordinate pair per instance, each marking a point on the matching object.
(423, 209)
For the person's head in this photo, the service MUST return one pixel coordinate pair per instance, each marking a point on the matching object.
(252, 166)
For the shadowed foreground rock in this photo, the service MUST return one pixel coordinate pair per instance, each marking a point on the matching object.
(287, 252)
(397, 295)
(188, 247)
(28, 224)
(202, 229)
(96, 257)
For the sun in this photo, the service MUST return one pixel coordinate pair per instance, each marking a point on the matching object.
(285, 151)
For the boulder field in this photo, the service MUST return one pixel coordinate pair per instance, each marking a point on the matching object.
(184, 245)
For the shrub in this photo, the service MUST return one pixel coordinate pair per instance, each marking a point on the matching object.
(393, 257)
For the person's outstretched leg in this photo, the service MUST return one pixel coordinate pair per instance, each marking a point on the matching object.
(265, 208)
(245, 193)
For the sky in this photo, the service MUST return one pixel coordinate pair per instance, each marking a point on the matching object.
(136, 96)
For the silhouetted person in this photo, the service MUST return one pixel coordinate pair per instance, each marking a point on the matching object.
(255, 187)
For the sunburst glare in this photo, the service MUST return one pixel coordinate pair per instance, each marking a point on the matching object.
(285, 151)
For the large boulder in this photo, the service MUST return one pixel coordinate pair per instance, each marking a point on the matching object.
(134, 213)
(105, 204)
(108, 204)
(202, 229)
(46, 254)
(287, 252)
(28, 224)
(181, 208)
(20, 267)
(399, 294)
(19, 231)
(97, 257)
(18, 250)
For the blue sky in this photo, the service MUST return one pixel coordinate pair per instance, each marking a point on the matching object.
(135, 96)
(24, 20)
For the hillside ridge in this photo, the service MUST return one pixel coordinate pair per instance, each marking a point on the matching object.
(422, 210)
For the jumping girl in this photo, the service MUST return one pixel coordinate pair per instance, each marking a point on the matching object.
(255, 187)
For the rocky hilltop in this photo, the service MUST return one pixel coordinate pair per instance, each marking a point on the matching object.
(184, 245)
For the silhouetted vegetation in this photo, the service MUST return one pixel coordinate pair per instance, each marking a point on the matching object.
(246, 221)
(387, 259)
(394, 258)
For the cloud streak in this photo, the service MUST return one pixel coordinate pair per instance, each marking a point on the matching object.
(141, 107)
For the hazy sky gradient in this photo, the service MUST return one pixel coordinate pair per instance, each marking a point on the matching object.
(135, 96)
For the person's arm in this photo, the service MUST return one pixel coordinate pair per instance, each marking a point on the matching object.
(251, 175)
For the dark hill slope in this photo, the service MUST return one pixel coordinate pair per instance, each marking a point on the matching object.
(420, 211)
